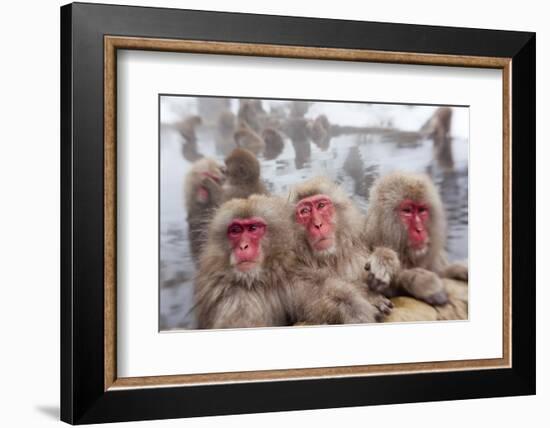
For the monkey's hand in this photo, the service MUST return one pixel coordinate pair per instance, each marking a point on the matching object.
(214, 190)
(424, 285)
(456, 271)
(382, 303)
(382, 266)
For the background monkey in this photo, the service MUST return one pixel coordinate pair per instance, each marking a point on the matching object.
(187, 128)
(202, 194)
(406, 214)
(274, 143)
(246, 138)
(243, 175)
(438, 127)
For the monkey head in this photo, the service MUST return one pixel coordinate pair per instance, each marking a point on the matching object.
(408, 214)
(325, 216)
(242, 166)
(316, 214)
(245, 235)
(251, 235)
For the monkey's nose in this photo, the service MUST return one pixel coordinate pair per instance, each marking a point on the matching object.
(243, 246)
(318, 225)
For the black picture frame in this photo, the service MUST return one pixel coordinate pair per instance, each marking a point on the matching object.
(83, 396)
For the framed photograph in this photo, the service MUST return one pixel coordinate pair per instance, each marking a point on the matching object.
(267, 213)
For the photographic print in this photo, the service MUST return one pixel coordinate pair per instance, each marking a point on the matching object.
(280, 212)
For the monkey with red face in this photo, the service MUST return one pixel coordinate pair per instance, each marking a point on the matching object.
(331, 253)
(203, 193)
(406, 214)
(246, 265)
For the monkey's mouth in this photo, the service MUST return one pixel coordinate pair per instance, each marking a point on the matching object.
(323, 243)
(246, 265)
(421, 251)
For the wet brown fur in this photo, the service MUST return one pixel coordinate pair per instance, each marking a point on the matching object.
(422, 272)
(340, 275)
(243, 175)
(226, 298)
(199, 212)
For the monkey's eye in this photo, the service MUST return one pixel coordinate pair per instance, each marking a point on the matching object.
(407, 210)
(235, 229)
(422, 210)
(305, 210)
(321, 205)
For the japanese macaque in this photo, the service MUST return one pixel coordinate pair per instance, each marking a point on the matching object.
(226, 124)
(203, 194)
(247, 138)
(245, 265)
(331, 252)
(319, 131)
(296, 128)
(243, 175)
(187, 128)
(437, 128)
(406, 214)
(439, 124)
(274, 143)
(299, 108)
(252, 113)
(225, 129)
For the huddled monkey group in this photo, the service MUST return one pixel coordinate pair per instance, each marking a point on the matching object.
(312, 256)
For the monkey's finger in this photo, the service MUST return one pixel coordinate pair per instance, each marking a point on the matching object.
(385, 309)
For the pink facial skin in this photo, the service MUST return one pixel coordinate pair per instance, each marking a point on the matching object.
(202, 192)
(245, 236)
(316, 215)
(414, 216)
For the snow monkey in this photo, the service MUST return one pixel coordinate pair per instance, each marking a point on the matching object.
(406, 214)
(331, 250)
(187, 127)
(244, 267)
(247, 274)
(243, 175)
(438, 127)
(247, 138)
(203, 194)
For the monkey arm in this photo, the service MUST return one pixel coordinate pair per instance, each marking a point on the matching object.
(455, 271)
(422, 284)
(408, 309)
(215, 192)
(382, 266)
(334, 301)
